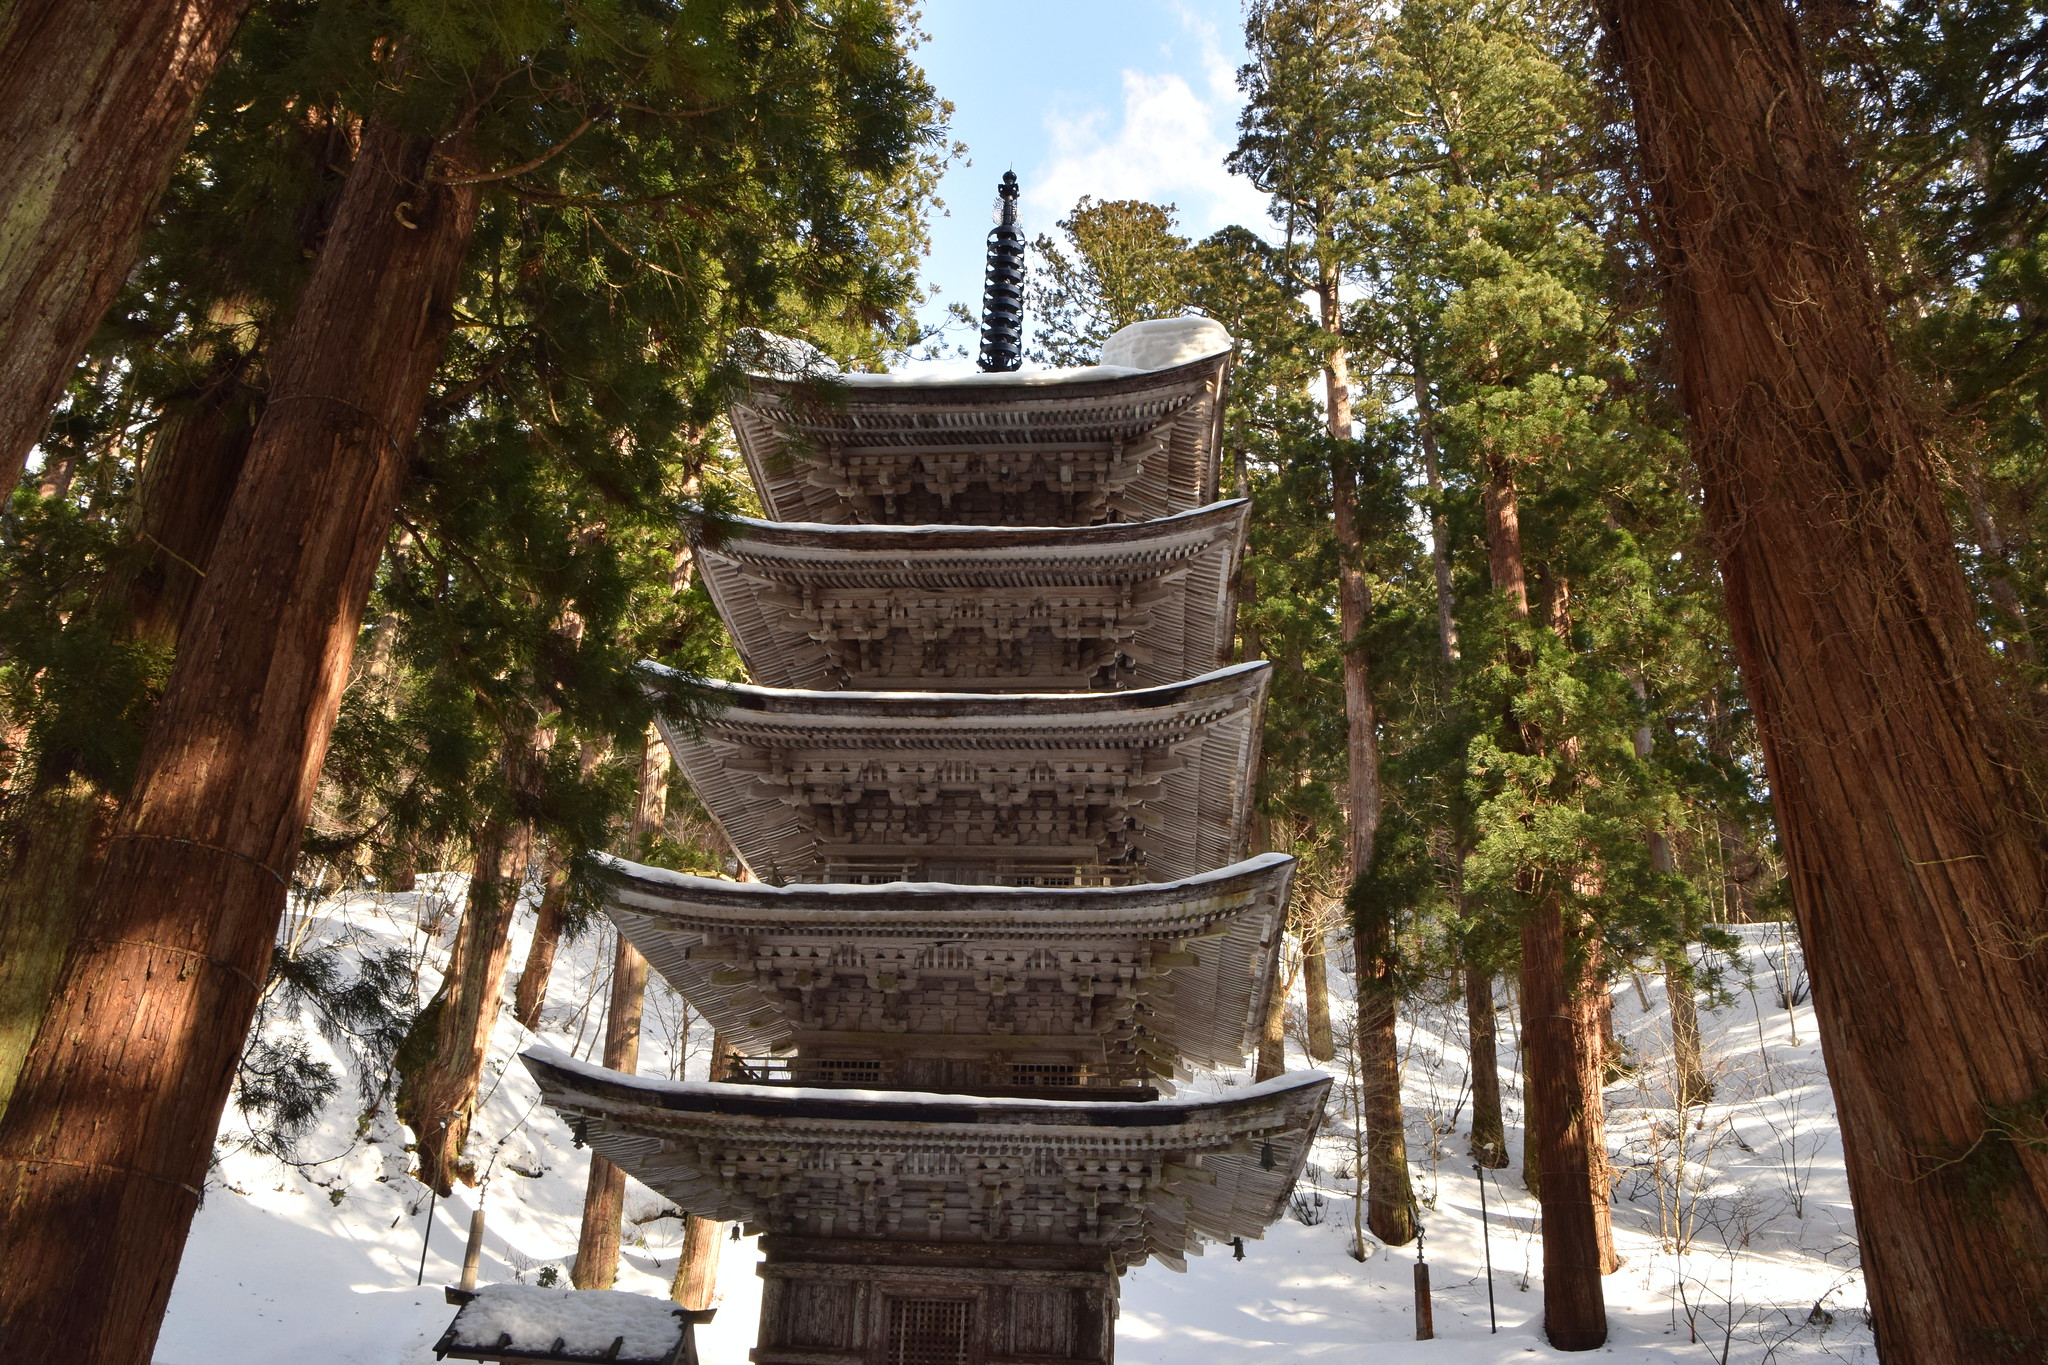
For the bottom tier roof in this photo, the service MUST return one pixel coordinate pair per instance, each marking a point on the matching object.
(1134, 1180)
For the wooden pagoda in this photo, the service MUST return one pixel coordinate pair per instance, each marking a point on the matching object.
(994, 791)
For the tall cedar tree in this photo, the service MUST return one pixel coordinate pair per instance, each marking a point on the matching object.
(1122, 262)
(1292, 147)
(96, 102)
(230, 764)
(604, 1200)
(1906, 787)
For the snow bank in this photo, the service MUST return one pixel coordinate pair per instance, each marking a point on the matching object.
(582, 1321)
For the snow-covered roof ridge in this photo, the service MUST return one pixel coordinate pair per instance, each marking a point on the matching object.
(943, 890)
(1162, 1112)
(1135, 698)
(1141, 348)
(1114, 530)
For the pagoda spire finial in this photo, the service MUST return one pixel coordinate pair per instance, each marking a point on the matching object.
(1002, 298)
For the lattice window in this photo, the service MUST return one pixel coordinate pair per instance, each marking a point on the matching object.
(929, 1331)
(1044, 1073)
(865, 1072)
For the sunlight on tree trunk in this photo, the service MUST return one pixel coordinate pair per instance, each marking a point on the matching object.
(1906, 787)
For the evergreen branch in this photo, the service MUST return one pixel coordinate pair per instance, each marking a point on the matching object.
(597, 112)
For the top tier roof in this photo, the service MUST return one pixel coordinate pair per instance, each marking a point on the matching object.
(1133, 439)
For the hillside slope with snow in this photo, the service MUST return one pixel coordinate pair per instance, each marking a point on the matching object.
(1735, 1225)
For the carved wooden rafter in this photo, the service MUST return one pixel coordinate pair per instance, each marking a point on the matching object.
(980, 608)
(1138, 981)
(1069, 452)
(1081, 788)
(1132, 1180)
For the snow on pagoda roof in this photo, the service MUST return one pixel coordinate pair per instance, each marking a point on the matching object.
(1130, 1179)
(1140, 348)
(960, 786)
(738, 950)
(1035, 608)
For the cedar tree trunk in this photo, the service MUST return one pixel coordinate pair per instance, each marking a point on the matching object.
(1489, 1134)
(1689, 1075)
(96, 101)
(58, 836)
(1689, 1070)
(532, 991)
(696, 1279)
(1439, 526)
(597, 1244)
(1390, 1200)
(1907, 790)
(106, 1140)
(1272, 1060)
(1557, 1148)
(436, 1099)
(1315, 985)
(53, 848)
(604, 1200)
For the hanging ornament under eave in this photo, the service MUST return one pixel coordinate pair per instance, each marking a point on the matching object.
(1002, 295)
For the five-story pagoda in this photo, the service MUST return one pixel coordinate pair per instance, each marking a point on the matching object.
(994, 792)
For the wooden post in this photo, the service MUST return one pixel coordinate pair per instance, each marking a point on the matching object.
(473, 1253)
(1425, 1315)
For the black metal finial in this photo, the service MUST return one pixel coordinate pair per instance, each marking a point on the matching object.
(1002, 295)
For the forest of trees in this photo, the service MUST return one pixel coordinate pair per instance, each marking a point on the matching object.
(1644, 407)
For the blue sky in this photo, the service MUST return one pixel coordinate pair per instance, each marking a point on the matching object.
(1121, 99)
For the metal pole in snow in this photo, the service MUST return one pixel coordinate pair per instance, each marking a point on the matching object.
(432, 1195)
(1486, 1237)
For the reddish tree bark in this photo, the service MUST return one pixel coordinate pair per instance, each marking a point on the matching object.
(1315, 985)
(1390, 1199)
(1555, 1022)
(532, 991)
(1559, 1151)
(696, 1279)
(604, 1199)
(58, 835)
(597, 1243)
(436, 1098)
(106, 1140)
(96, 101)
(1907, 784)
(1489, 1134)
(182, 499)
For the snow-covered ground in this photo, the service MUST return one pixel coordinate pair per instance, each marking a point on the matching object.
(1734, 1226)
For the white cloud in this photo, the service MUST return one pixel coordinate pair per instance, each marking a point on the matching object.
(1166, 144)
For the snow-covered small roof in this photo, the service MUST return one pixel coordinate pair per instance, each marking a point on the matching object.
(523, 1322)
